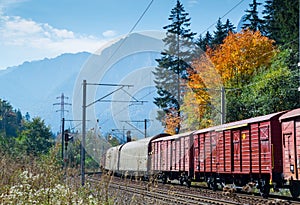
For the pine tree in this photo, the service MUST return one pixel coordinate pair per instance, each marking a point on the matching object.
(174, 62)
(228, 27)
(220, 34)
(268, 17)
(203, 43)
(281, 24)
(282, 21)
(222, 31)
(252, 20)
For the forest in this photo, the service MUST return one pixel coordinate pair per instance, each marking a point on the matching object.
(229, 75)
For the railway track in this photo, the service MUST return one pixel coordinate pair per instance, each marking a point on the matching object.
(140, 192)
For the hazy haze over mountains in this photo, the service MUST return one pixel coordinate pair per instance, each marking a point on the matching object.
(33, 86)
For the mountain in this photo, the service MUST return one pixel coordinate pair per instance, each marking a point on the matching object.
(33, 86)
(241, 23)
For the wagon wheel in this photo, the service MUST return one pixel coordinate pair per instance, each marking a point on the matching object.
(212, 183)
(181, 180)
(164, 179)
(295, 189)
(264, 189)
(188, 183)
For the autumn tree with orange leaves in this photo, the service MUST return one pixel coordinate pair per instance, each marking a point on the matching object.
(202, 100)
(232, 65)
(241, 56)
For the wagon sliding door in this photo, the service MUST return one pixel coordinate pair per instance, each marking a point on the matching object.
(265, 151)
(291, 149)
(236, 151)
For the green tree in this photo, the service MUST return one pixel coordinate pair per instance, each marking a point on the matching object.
(252, 20)
(270, 91)
(36, 138)
(10, 119)
(229, 27)
(222, 31)
(209, 41)
(174, 62)
(281, 24)
(202, 44)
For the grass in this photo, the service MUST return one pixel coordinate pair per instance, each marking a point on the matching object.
(41, 180)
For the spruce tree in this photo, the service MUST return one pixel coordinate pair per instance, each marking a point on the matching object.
(282, 21)
(202, 43)
(219, 34)
(228, 27)
(268, 17)
(252, 20)
(281, 24)
(174, 62)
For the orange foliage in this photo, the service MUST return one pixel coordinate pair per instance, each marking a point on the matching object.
(241, 55)
(204, 83)
(172, 121)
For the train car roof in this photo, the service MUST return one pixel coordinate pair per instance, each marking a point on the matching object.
(290, 114)
(238, 124)
(207, 130)
(146, 140)
(173, 136)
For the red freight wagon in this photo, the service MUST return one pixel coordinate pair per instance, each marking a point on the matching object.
(174, 157)
(240, 152)
(290, 123)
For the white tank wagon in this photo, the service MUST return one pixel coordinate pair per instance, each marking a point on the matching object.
(133, 158)
(112, 159)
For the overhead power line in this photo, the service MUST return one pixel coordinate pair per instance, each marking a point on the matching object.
(223, 16)
(131, 30)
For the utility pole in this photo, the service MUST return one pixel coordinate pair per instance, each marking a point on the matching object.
(62, 117)
(84, 107)
(223, 108)
(145, 125)
(82, 147)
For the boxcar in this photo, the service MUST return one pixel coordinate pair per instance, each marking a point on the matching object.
(240, 152)
(290, 123)
(171, 157)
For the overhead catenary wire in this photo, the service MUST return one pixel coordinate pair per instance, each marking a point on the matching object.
(230, 10)
(126, 36)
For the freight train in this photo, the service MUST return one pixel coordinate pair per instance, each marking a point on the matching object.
(264, 151)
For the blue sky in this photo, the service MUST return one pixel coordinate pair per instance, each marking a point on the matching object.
(35, 29)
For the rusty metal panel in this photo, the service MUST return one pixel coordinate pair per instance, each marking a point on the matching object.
(182, 154)
(174, 159)
(208, 152)
(297, 136)
(291, 144)
(236, 143)
(213, 151)
(202, 152)
(220, 153)
(265, 148)
(255, 148)
(186, 153)
(291, 149)
(227, 137)
(178, 155)
(245, 150)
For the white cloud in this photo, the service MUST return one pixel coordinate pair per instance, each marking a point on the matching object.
(41, 40)
(193, 2)
(109, 33)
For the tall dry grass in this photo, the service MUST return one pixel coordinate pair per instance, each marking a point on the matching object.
(41, 180)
